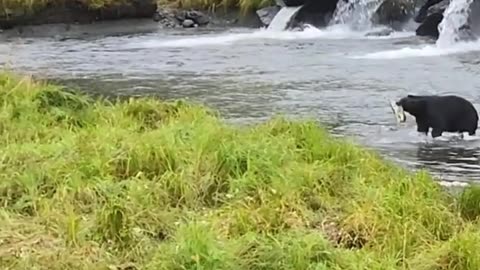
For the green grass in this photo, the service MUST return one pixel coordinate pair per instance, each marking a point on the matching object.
(243, 5)
(145, 184)
(19, 7)
(10, 7)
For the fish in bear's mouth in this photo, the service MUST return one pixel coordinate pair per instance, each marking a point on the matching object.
(398, 112)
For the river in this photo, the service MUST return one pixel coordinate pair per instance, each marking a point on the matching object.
(336, 76)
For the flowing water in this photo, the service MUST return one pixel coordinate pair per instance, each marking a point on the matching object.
(455, 17)
(335, 75)
(355, 13)
(283, 18)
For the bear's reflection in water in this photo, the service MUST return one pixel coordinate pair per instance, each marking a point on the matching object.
(459, 159)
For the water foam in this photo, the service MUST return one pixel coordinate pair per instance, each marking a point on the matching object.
(283, 18)
(449, 41)
(454, 17)
(425, 51)
(355, 13)
(310, 32)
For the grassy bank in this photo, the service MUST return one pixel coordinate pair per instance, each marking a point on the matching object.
(31, 6)
(143, 184)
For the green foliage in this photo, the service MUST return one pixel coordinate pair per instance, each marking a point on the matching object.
(18, 7)
(146, 184)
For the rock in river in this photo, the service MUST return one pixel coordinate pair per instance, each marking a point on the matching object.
(430, 16)
(188, 23)
(391, 12)
(267, 14)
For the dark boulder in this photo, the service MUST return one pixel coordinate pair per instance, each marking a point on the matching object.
(292, 3)
(267, 14)
(430, 16)
(429, 27)
(431, 7)
(391, 12)
(198, 17)
(317, 13)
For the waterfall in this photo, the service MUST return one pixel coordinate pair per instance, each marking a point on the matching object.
(283, 18)
(455, 18)
(356, 13)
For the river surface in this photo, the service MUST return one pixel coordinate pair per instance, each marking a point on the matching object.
(336, 76)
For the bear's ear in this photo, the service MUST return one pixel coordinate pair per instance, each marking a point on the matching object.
(414, 96)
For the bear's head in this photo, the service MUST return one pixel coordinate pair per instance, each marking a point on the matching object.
(414, 105)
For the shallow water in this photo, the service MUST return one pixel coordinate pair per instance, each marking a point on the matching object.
(336, 76)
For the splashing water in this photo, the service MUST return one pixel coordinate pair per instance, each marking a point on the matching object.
(283, 18)
(356, 13)
(308, 33)
(454, 18)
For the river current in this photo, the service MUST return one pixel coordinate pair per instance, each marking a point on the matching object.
(337, 76)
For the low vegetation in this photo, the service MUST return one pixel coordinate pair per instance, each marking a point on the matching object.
(144, 184)
(244, 5)
(10, 7)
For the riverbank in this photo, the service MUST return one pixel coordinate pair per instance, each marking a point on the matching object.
(143, 184)
(26, 13)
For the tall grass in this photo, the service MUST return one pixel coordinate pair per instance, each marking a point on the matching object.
(9, 7)
(145, 184)
(243, 5)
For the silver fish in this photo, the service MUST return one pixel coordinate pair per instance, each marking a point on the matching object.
(398, 112)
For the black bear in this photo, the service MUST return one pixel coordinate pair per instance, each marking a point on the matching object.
(441, 113)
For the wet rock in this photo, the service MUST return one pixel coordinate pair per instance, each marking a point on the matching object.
(166, 17)
(181, 15)
(430, 16)
(292, 3)
(198, 17)
(190, 18)
(317, 13)
(429, 26)
(431, 7)
(314, 12)
(394, 11)
(267, 14)
(188, 23)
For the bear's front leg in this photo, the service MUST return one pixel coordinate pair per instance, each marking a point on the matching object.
(422, 128)
(436, 132)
